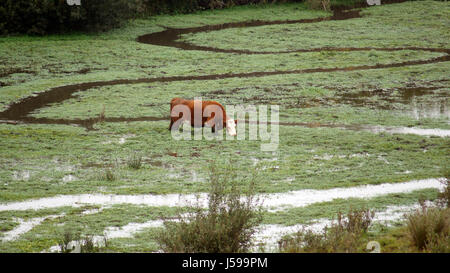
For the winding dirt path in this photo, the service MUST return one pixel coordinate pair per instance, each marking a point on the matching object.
(18, 112)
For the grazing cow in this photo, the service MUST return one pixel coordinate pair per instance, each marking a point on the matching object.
(209, 113)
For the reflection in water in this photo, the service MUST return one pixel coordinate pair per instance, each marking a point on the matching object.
(418, 106)
(272, 201)
(436, 109)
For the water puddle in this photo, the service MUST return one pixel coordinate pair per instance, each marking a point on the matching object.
(274, 201)
(437, 109)
(21, 176)
(170, 200)
(407, 130)
(410, 96)
(373, 128)
(69, 178)
(126, 231)
(267, 235)
(25, 226)
(94, 211)
(279, 201)
(122, 140)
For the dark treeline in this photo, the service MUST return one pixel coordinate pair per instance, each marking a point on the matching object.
(56, 16)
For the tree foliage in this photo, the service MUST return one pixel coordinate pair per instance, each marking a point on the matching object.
(55, 16)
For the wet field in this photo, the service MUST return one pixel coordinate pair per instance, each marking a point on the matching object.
(360, 125)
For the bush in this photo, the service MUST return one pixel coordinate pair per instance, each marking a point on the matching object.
(357, 221)
(227, 225)
(429, 229)
(52, 16)
(346, 235)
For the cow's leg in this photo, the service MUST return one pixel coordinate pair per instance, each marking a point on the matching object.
(173, 122)
(210, 122)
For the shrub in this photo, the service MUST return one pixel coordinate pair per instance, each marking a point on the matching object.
(65, 243)
(227, 225)
(52, 16)
(345, 235)
(357, 221)
(429, 228)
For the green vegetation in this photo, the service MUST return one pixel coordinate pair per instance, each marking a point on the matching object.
(380, 27)
(329, 210)
(43, 160)
(78, 223)
(429, 229)
(345, 235)
(426, 230)
(46, 16)
(228, 224)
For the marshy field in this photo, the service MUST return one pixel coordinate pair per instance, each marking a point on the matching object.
(363, 96)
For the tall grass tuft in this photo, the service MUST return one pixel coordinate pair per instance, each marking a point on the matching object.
(345, 235)
(226, 225)
(135, 161)
(65, 242)
(75, 243)
(108, 175)
(429, 229)
(101, 116)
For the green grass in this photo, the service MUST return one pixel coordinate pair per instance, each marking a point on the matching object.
(47, 234)
(381, 26)
(49, 153)
(48, 160)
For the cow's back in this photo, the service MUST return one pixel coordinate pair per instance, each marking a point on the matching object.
(176, 101)
(191, 103)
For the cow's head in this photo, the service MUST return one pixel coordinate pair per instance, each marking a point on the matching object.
(231, 127)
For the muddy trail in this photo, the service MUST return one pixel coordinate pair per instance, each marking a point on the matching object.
(19, 112)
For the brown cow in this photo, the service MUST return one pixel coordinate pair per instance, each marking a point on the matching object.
(211, 113)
